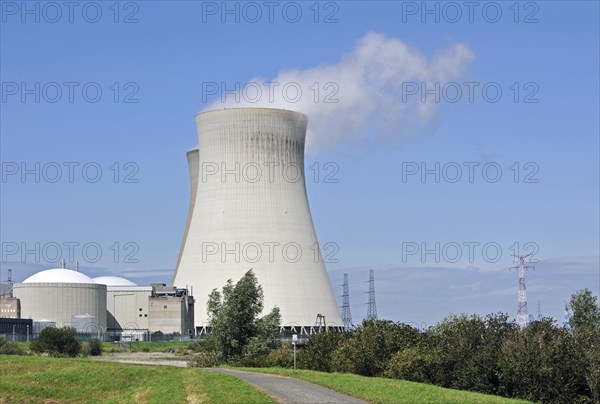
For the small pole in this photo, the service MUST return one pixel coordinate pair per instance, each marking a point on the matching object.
(27, 332)
(14, 333)
(294, 341)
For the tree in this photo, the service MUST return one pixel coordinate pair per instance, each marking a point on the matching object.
(318, 352)
(586, 313)
(233, 315)
(370, 347)
(586, 333)
(542, 363)
(465, 351)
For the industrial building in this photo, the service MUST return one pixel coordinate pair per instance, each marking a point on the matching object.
(61, 295)
(249, 210)
(126, 303)
(171, 310)
(107, 305)
(10, 306)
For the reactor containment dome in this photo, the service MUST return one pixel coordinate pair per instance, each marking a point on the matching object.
(60, 295)
(249, 210)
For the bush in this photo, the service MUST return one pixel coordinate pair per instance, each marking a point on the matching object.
(282, 357)
(371, 346)
(94, 347)
(413, 363)
(204, 360)
(57, 342)
(202, 345)
(318, 351)
(10, 348)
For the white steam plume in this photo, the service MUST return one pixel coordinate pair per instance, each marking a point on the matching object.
(368, 86)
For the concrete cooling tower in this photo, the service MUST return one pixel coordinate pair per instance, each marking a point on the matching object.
(249, 210)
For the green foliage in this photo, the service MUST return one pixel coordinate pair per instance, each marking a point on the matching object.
(202, 345)
(10, 348)
(282, 357)
(466, 350)
(266, 336)
(586, 312)
(413, 363)
(57, 342)
(542, 363)
(92, 347)
(587, 341)
(318, 352)
(371, 347)
(237, 331)
(204, 360)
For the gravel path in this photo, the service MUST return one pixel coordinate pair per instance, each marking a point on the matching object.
(289, 390)
(144, 358)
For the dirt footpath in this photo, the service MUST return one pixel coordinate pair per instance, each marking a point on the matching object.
(144, 358)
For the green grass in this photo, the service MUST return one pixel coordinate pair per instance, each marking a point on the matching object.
(157, 346)
(135, 346)
(384, 390)
(26, 379)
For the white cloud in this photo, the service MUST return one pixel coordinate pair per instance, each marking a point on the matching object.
(369, 83)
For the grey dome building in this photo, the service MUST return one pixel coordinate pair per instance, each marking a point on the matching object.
(61, 295)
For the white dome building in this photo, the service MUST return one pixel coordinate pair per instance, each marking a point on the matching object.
(113, 281)
(60, 295)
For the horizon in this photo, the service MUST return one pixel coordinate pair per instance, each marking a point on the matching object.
(437, 145)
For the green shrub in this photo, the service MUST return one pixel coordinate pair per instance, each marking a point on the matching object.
(204, 360)
(282, 357)
(57, 342)
(318, 351)
(10, 348)
(95, 347)
(413, 363)
(371, 347)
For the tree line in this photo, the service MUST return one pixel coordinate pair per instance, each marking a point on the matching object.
(541, 362)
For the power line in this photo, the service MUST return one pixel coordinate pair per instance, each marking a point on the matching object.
(346, 315)
(372, 308)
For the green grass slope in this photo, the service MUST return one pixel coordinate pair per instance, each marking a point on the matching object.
(26, 379)
(387, 391)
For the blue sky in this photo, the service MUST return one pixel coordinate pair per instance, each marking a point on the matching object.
(165, 61)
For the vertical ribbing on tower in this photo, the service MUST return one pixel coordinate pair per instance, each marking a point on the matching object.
(346, 315)
(372, 308)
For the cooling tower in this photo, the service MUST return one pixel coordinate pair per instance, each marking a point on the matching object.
(249, 210)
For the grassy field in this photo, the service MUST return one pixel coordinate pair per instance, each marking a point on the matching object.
(384, 390)
(135, 346)
(26, 379)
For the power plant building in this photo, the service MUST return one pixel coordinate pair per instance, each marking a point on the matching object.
(249, 210)
(171, 310)
(60, 295)
(126, 304)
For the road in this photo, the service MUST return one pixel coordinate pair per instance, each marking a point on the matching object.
(289, 390)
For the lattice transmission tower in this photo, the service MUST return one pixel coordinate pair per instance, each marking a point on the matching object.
(372, 307)
(522, 317)
(346, 315)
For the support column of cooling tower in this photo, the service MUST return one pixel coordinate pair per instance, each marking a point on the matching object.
(372, 308)
(522, 317)
(346, 315)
